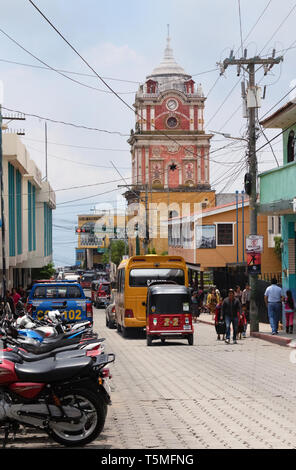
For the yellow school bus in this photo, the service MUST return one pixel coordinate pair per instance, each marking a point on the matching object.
(134, 276)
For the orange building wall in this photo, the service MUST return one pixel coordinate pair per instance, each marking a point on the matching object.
(221, 255)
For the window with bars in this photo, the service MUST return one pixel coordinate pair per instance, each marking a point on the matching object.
(225, 234)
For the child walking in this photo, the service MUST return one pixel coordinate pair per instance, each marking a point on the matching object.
(219, 319)
(289, 311)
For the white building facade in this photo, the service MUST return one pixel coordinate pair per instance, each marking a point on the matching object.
(28, 204)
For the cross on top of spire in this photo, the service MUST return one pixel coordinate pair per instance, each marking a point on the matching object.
(168, 65)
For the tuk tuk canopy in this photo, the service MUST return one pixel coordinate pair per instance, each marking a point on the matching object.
(168, 299)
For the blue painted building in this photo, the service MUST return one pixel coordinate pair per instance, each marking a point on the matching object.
(278, 190)
(28, 205)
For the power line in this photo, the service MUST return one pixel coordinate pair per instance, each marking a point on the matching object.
(81, 57)
(244, 40)
(106, 192)
(77, 162)
(257, 20)
(71, 72)
(279, 27)
(223, 102)
(52, 68)
(80, 126)
(100, 78)
(79, 146)
(88, 197)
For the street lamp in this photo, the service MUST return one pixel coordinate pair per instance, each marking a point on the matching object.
(228, 136)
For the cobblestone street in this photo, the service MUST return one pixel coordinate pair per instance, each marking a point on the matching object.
(206, 396)
(210, 395)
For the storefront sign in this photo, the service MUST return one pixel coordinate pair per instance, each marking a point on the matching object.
(254, 243)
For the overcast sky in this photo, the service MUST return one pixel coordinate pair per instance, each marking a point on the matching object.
(123, 42)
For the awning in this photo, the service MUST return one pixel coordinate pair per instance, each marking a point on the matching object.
(193, 267)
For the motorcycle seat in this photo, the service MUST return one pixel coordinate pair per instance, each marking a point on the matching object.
(29, 357)
(51, 370)
(47, 346)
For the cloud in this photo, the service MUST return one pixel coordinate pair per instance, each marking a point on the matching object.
(108, 55)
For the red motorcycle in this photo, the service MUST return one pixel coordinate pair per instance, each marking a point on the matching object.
(66, 395)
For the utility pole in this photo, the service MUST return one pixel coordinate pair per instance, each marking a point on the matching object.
(253, 103)
(145, 200)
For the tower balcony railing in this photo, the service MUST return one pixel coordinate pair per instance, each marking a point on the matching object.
(141, 94)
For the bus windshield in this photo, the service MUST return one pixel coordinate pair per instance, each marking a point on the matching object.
(142, 277)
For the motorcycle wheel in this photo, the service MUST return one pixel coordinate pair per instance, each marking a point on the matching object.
(94, 410)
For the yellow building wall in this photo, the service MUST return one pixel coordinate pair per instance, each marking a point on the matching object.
(118, 221)
(170, 198)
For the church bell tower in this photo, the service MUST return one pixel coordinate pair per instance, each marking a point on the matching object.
(169, 146)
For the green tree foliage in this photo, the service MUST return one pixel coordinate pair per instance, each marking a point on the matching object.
(278, 241)
(46, 272)
(117, 251)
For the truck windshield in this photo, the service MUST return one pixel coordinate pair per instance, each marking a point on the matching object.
(169, 304)
(142, 277)
(57, 292)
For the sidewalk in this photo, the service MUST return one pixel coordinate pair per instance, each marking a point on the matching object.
(283, 339)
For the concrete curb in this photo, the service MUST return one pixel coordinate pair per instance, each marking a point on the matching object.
(280, 340)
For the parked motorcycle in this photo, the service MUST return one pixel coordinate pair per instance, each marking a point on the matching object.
(65, 397)
(62, 342)
(51, 326)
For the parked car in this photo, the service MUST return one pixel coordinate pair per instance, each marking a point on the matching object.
(86, 279)
(110, 311)
(93, 289)
(102, 294)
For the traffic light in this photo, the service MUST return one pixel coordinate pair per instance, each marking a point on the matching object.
(248, 183)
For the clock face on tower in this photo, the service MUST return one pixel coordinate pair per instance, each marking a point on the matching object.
(172, 104)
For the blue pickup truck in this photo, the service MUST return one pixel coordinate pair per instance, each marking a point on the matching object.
(52, 296)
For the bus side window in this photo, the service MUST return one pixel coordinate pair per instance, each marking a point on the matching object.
(122, 280)
(119, 280)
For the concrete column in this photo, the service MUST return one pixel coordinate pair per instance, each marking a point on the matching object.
(89, 258)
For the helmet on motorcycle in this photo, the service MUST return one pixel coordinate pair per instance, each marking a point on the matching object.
(19, 307)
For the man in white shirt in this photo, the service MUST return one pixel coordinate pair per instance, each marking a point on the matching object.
(273, 300)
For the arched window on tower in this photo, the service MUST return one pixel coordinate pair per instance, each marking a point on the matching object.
(291, 146)
(189, 86)
(151, 86)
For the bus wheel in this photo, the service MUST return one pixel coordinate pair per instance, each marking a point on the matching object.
(163, 340)
(190, 339)
(149, 340)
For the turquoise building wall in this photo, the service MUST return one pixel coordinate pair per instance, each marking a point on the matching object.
(289, 253)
